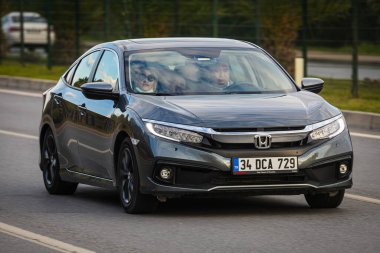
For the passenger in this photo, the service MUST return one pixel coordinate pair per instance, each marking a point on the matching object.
(192, 74)
(171, 82)
(146, 80)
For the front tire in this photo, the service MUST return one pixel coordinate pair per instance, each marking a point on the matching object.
(50, 168)
(325, 200)
(131, 199)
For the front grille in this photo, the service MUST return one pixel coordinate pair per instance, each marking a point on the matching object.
(189, 176)
(209, 143)
(228, 179)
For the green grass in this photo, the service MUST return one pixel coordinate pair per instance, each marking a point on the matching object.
(338, 93)
(12, 67)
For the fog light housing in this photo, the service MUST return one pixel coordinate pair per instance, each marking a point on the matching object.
(343, 169)
(166, 173)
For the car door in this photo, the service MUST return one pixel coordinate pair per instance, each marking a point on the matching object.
(95, 140)
(68, 113)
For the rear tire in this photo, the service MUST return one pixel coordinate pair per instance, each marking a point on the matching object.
(128, 179)
(325, 200)
(50, 168)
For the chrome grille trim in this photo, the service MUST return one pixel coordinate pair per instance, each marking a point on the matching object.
(247, 137)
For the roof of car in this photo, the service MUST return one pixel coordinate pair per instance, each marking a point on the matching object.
(151, 43)
(25, 13)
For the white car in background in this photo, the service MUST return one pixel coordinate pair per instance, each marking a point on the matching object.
(35, 30)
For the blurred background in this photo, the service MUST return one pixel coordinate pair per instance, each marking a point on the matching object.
(338, 40)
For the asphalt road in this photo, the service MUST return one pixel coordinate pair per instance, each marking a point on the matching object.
(93, 219)
(342, 70)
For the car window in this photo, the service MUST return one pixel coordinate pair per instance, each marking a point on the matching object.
(183, 71)
(107, 70)
(4, 19)
(69, 74)
(29, 19)
(84, 69)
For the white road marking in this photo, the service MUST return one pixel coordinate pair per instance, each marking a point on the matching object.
(21, 93)
(27, 136)
(371, 136)
(41, 240)
(362, 198)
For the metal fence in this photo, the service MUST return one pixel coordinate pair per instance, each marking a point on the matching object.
(279, 26)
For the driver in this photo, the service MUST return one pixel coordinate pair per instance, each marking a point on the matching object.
(220, 74)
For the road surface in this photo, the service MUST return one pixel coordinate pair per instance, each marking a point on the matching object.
(92, 220)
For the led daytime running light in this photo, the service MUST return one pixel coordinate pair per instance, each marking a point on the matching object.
(174, 134)
(329, 130)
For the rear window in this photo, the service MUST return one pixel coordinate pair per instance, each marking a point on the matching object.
(29, 19)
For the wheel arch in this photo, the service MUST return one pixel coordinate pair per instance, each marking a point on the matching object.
(120, 137)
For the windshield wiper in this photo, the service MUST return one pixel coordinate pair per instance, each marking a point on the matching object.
(242, 92)
(164, 94)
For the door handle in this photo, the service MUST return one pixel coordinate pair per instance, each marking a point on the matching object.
(82, 106)
(82, 109)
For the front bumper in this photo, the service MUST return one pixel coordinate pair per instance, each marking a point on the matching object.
(208, 171)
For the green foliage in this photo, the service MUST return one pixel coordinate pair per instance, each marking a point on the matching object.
(338, 93)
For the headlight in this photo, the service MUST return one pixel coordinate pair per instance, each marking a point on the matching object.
(330, 130)
(174, 134)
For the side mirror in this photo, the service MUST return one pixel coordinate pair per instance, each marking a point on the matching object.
(312, 84)
(98, 90)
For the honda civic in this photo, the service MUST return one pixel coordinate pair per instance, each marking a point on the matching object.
(173, 117)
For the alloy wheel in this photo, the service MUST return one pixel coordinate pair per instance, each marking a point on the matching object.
(127, 179)
(50, 157)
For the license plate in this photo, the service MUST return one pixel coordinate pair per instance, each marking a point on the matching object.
(262, 165)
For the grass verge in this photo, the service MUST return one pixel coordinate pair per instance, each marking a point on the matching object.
(12, 67)
(338, 93)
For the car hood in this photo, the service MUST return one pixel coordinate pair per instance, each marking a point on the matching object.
(235, 110)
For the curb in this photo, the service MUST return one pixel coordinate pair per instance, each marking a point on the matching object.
(354, 119)
(363, 120)
(340, 58)
(23, 83)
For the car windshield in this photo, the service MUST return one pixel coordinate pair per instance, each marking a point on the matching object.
(186, 71)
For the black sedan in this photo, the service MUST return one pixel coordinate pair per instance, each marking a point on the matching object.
(165, 118)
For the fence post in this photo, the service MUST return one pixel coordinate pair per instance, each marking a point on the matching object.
(77, 27)
(258, 24)
(49, 56)
(176, 18)
(22, 46)
(304, 35)
(214, 18)
(298, 70)
(106, 19)
(140, 15)
(354, 89)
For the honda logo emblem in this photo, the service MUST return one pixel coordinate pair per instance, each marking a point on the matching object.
(263, 141)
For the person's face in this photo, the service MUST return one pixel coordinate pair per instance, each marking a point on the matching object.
(220, 74)
(146, 81)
